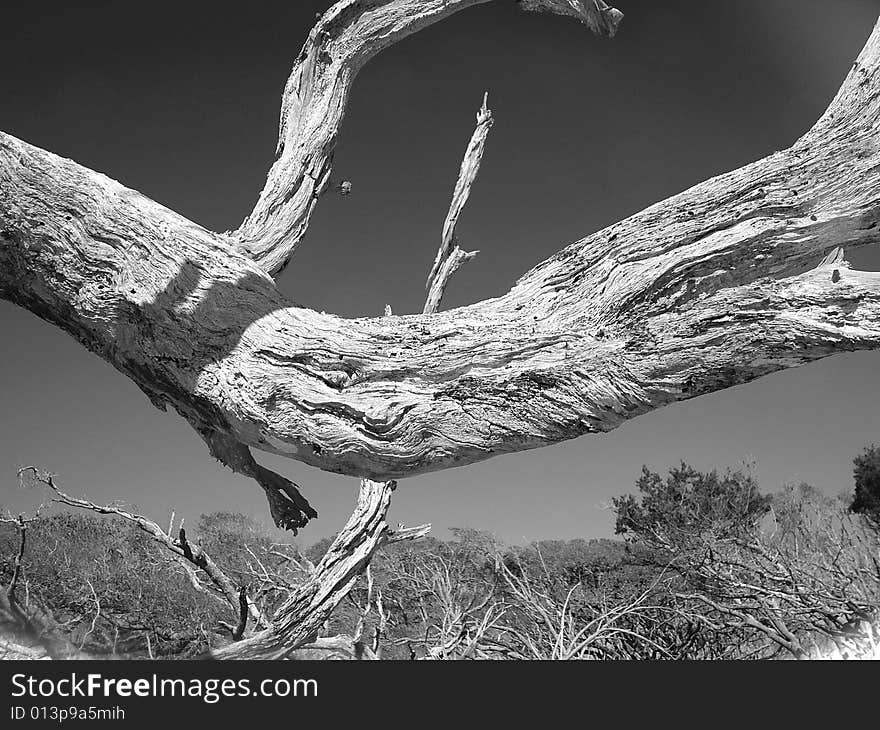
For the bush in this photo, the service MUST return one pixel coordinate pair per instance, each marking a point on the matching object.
(866, 500)
(109, 588)
(795, 583)
(688, 504)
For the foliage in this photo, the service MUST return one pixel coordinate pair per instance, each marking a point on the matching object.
(689, 505)
(709, 568)
(867, 489)
(801, 580)
(109, 588)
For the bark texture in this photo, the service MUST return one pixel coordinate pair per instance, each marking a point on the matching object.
(299, 619)
(725, 282)
(316, 94)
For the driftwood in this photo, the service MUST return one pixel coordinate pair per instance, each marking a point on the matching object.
(737, 277)
(713, 287)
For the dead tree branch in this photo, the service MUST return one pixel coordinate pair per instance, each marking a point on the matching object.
(33, 620)
(237, 631)
(10, 603)
(174, 306)
(290, 510)
(181, 547)
(449, 256)
(299, 620)
(716, 286)
(316, 95)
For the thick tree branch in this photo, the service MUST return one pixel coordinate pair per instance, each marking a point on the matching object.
(712, 287)
(449, 256)
(343, 40)
(298, 621)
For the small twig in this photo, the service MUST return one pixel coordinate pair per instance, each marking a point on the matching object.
(365, 610)
(379, 631)
(94, 618)
(16, 570)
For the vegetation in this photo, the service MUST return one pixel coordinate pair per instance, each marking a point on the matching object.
(708, 567)
(867, 478)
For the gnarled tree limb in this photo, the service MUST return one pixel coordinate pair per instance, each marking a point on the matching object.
(316, 94)
(710, 288)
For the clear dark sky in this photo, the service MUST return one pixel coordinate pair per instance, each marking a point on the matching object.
(180, 101)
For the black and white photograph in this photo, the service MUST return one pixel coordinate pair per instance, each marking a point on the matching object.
(434, 330)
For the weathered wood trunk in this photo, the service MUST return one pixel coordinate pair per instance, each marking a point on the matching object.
(729, 280)
(735, 278)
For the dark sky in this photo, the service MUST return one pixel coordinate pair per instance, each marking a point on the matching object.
(180, 101)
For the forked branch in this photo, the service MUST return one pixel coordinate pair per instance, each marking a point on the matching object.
(718, 285)
(298, 620)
